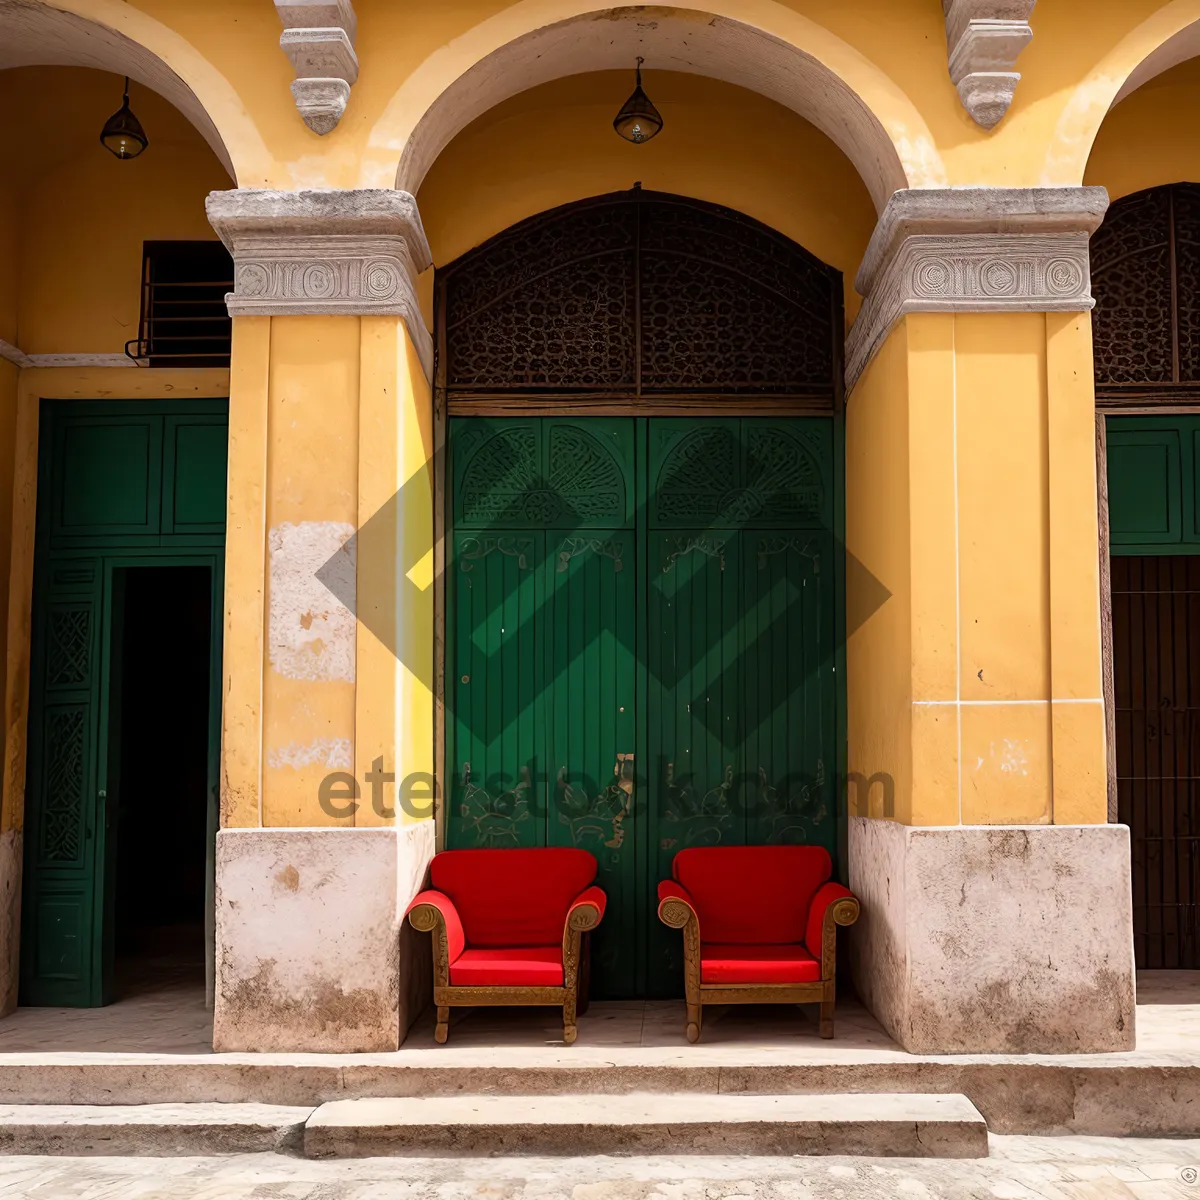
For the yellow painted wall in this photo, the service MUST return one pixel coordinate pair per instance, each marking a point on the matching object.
(1139, 145)
(721, 143)
(72, 223)
(10, 255)
(330, 417)
(891, 52)
(971, 495)
(879, 650)
(312, 508)
(1002, 403)
(81, 215)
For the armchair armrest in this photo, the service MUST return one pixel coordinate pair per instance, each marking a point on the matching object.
(584, 914)
(833, 905)
(587, 909)
(427, 912)
(675, 906)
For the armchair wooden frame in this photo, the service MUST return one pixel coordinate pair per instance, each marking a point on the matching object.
(582, 917)
(677, 912)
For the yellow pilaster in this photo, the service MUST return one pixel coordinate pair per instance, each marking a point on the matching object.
(1076, 670)
(312, 511)
(245, 573)
(379, 479)
(330, 444)
(393, 699)
(416, 620)
(975, 688)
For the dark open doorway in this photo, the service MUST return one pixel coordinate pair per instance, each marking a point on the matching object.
(159, 731)
(124, 669)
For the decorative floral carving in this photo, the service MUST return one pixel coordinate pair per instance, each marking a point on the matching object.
(511, 478)
(472, 549)
(605, 547)
(738, 474)
(598, 819)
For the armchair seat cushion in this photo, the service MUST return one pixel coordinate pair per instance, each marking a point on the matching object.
(492, 966)
(722, 964)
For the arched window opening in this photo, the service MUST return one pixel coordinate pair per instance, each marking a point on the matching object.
(639, 297)
(1146, 281)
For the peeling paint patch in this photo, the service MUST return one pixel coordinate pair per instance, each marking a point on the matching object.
(311, 634)
(335, 753)
(1013, 757)
(1009, 755)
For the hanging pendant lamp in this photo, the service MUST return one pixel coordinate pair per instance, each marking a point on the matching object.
(123, 134)
(638, 121)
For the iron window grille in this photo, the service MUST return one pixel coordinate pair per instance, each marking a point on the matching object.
(184, 321)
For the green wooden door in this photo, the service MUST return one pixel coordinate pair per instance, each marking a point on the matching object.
(641, 634)
(120, 485)
(540, 684)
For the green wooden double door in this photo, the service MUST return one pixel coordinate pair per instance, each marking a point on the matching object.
(122, 487)
(641, 635)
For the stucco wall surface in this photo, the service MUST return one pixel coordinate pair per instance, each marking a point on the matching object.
(986, 940)
(308, 937)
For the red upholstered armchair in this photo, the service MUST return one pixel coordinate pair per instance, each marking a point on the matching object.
(506, 928)
(759, 926)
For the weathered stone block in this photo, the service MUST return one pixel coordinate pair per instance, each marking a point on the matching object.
(308, 937)
(995, 939)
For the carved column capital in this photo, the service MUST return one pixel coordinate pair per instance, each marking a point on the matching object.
(354, 252)
(974, 250)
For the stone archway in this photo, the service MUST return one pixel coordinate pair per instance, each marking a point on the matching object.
(111, 37)
(1162, 41)
(766, 48)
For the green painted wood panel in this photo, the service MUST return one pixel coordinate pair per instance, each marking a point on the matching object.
(589, 617)
(1153, 496)
(133, 474)
(195, 456)
(642, 650)
(540, 675)
(107, 475)
(112, 491)
(59, 902)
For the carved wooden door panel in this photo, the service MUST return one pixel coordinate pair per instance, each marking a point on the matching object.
(741, 645)
(542, 597)
(60, 902)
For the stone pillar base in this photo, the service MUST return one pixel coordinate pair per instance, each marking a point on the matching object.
(995, 939)
(311, 954)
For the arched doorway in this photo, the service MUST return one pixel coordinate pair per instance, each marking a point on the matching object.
(1146, 279)
(643, 584)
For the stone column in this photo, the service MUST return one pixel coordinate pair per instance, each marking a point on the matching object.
(996, 898)
(328, 706)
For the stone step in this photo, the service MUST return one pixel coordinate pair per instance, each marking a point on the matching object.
(150, 1129)
(1151, 1093)
(898, 1125)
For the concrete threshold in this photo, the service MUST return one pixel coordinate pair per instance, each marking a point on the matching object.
(900, 1125)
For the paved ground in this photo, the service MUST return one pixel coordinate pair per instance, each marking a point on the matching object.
(1019, 1168)
(163, 1014)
